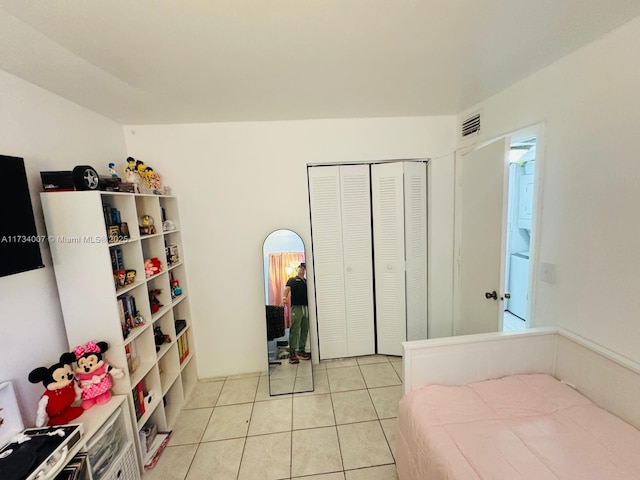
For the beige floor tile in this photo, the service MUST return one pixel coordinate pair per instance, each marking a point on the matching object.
(319, 366)
(315, 451)
(266, 457)
(263, 389)
(320, 383)
(353, 406)
(281, 386)
(312, 411)
(190, 426)
(326, 476)
(284, 371)
(386, 399)
(272, 416)
(385, 472)
(241, 390)
(390, 428)
(380, 375)
(303, 384)
(305, 368)
(367, 359)
(217, 460)
(228, 421)
(397, 366)
(205, 394)
(173, 464)
(363, 445)
(340, 362)
(345, 378)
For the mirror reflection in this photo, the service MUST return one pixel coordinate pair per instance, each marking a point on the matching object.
(287, 314)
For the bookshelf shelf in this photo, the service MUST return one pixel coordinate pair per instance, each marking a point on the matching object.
(115, 306)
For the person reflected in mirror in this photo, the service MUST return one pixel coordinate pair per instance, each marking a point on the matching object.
(299, 330)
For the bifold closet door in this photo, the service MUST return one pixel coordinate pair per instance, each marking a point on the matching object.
(388, 244)
(415, 241)
(399, 196)
(341, 242)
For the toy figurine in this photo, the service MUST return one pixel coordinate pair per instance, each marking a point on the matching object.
(152, 266)
(112, 170)
(176, 290)
(60, 394)
(94, 374)
(130, 277)
(154, 301)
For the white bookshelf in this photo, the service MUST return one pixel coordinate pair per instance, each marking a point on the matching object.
(82, 260)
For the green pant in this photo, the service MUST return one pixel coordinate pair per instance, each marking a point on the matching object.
(299, 328)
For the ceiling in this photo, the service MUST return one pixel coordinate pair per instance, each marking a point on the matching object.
(168, 61)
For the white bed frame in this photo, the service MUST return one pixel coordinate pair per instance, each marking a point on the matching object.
(608, 379)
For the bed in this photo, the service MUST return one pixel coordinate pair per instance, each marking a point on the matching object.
(542, 404)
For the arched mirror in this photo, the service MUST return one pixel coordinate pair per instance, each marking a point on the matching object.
(287, 314)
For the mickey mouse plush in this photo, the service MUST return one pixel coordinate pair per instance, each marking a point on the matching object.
(60, 393)
(94, 374)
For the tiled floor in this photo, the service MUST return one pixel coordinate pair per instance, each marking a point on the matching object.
(512, 323)
(231, 429)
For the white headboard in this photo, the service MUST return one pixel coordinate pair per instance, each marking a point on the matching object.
(608, 379)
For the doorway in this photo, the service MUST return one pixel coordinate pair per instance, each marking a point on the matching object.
(494, 233)
(522, 160)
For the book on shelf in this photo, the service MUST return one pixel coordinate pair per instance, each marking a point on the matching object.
(106, 211)
(132, 356)
(155, 449)
(183, 348)
(138, 400)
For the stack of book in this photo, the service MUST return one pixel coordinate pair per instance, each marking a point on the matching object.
(111, 215)
(183, 347)
(117, 261)
(128, 312)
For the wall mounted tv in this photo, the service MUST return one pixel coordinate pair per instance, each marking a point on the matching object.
(19, 241)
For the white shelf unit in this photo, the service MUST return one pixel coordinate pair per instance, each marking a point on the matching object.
(82, 259)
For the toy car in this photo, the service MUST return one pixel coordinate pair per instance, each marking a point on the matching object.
(82, 177)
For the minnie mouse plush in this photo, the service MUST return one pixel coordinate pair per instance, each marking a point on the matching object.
(61, 391)
(94, 374)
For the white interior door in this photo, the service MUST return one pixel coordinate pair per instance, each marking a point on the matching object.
(389, 265)
(358, 268)
(415, 240)
(480, 186)
(326, 228)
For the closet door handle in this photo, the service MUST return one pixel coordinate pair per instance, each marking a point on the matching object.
(489, 295)
(389, 267)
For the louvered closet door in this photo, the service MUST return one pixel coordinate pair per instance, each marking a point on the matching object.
(389, 266)
(326, 230)
(357, 254)
(415, 240)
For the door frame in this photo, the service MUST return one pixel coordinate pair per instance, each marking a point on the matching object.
(537, 130)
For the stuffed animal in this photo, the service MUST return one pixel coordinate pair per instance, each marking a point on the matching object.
(152, 266)
(94, 374)
(60, 394)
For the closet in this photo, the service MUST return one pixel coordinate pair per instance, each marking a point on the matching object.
(369, 242)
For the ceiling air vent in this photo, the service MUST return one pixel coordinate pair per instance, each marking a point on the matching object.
(471, 125)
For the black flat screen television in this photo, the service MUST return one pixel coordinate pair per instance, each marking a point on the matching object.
(19, 240)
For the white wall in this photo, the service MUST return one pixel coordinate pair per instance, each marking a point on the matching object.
(50, 133)
(237, 182)
(589, 223)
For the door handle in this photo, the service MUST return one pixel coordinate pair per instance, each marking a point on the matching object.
(507, 295)
(489, 295)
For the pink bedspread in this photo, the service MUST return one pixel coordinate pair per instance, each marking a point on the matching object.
(517, 427)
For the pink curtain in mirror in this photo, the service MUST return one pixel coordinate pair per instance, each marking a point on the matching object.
(282, 266)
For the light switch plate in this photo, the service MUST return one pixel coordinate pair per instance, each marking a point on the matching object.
(548, 272)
